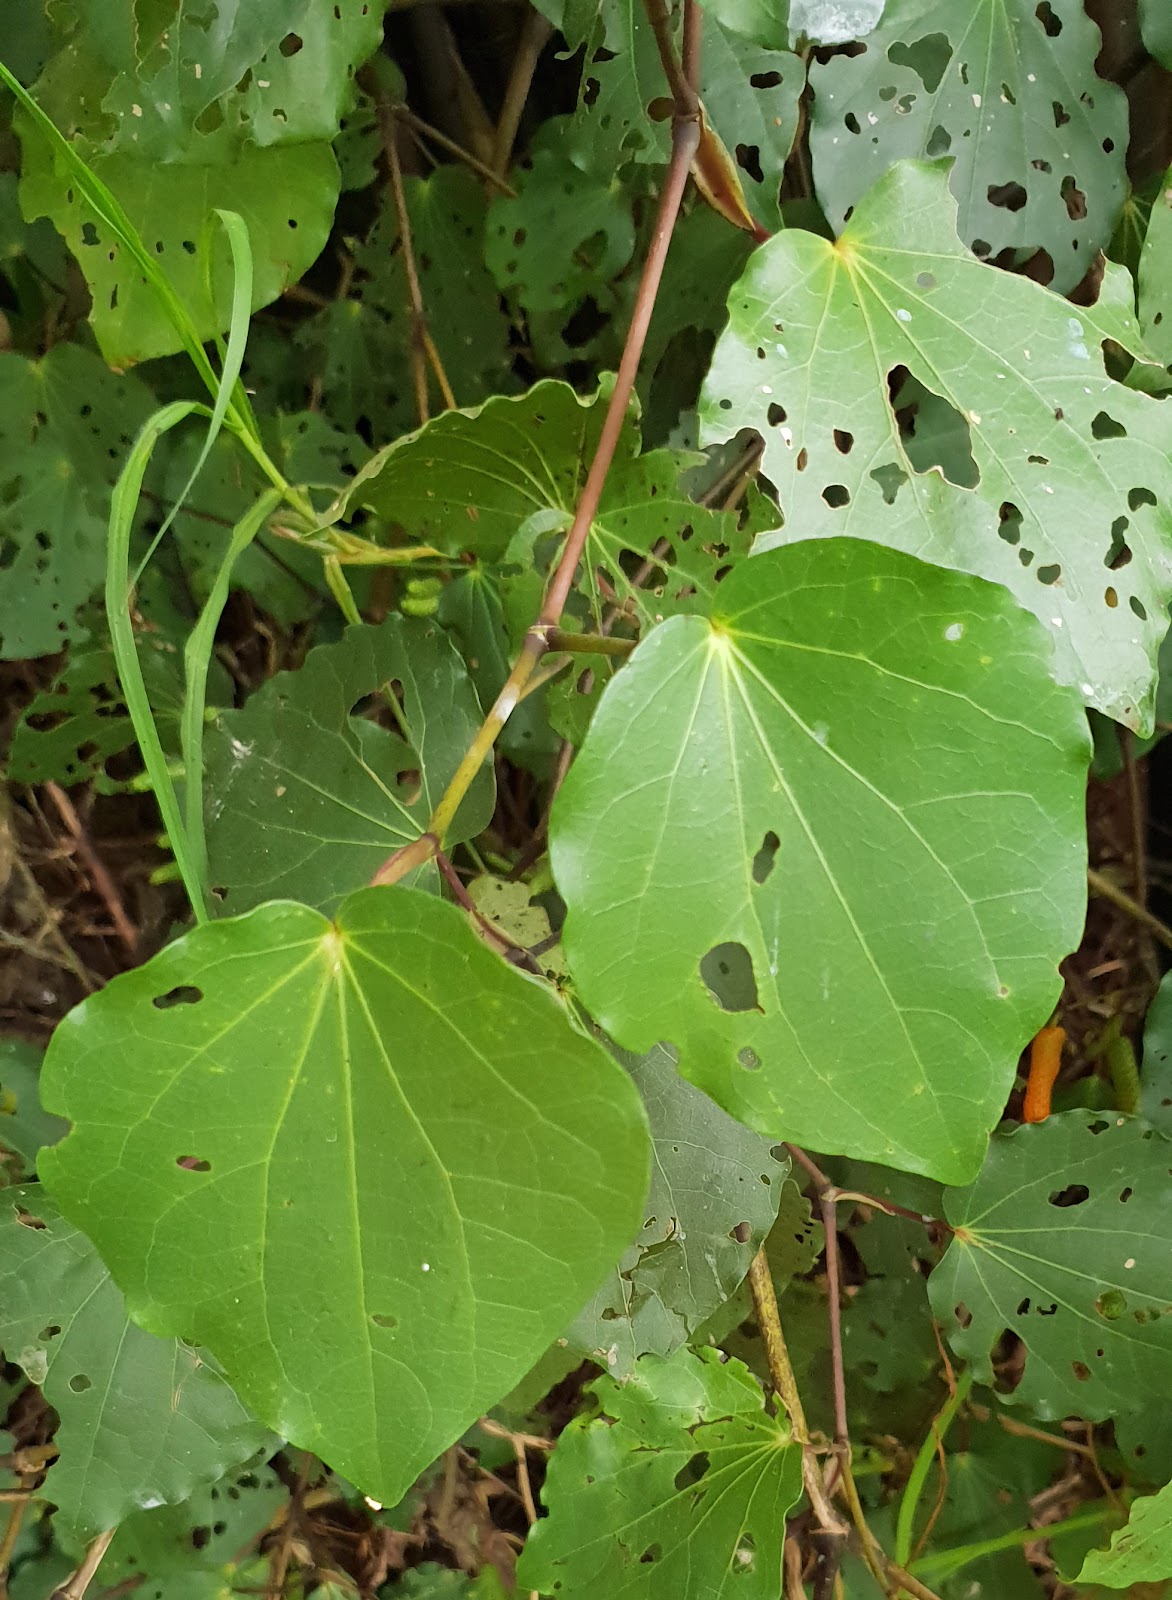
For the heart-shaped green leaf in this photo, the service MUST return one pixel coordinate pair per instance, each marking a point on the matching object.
(143, 1420)
(1065, 497)
(1048, 1245)
(790, 846)
(369, 1165)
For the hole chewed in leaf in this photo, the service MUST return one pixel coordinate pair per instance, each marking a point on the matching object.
(1073, 1195)
(184, 994)
(763, 861)
(193, 1164)
(727, 971)
(928, 58)
(692, 1470)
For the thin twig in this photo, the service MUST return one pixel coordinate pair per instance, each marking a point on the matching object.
(422, 345)
(535, 35)
(588, 643)
(280, 1566)
(1107, 889)
(99, 877)
(75, 1587)
(481, 168)
(517, 953)
(681, 83)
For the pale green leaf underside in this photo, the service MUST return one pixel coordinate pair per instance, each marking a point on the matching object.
(306, 800)
(1141, 1552)
(1007, 88)
(747, 820)
(1066, 1240)
(1071, 508)
(373, 1168)
(143, 1420)
(621, 1525)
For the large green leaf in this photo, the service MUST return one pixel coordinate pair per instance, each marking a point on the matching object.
(62, 420)
(1141, 1552)
(844, 942)
(142, 1420)
(1066, 1240)
(1070, 509)
(1154, 294)
(815, 21)
(678, 1487)
(307, 799)
(1007, 88)
(371, 1166)
(715, 1189)
(1156, 1076)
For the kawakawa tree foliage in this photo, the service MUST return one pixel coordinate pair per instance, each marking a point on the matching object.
(607, 532)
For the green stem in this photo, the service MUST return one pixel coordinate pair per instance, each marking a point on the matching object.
(943, 1563)
(905, 1526)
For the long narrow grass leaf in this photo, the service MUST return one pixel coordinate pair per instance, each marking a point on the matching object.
(229, 379)
(123, 504)
(196, 659)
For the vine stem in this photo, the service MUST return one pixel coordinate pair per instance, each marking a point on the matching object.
(905, 1524)
(1107, 889)
(535, 35)
(685, 141)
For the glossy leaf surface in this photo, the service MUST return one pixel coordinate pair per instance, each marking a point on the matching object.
(1141, 1552)
(1066, 1240)
(143, 1420)
(848, 948)
(372, 1167)
(679, 1486)
(1069, 508)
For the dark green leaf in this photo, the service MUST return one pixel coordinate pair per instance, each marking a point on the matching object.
(678, 1487)
(1066, 1240)
(1156, 1076)
(715, 1189)
(64, 421)
(371, 1166)
(1156, 25)
(838, 939)
(1070, 508)
(143, 1420)
(326, 771)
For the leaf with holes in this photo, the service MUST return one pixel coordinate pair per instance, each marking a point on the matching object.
(69, 731)
(750, 97)
(358, 351)
(371, 1128)
(849, 948)
(678, 1485)
(1141, 1552)
(62, 420)
(221, 107)
(143, 1420)
(714, 1195)
(328, 770)
(1072, 483)
(193, 1551)
(564, 235)
(1066, 1240)
(1038, 165)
